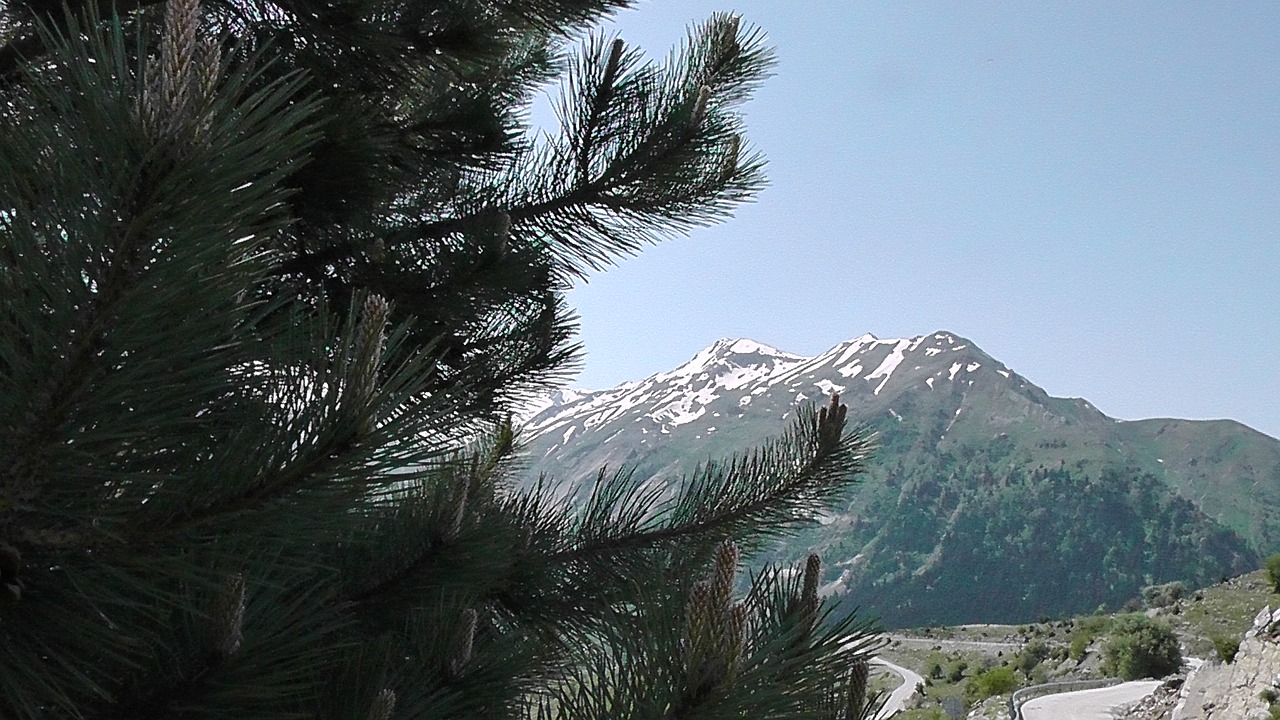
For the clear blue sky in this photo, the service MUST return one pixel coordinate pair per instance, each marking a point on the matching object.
(1088, 191)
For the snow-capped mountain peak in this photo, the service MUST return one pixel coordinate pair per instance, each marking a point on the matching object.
(733, 377)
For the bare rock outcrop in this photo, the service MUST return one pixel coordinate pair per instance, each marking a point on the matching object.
(1220, 691)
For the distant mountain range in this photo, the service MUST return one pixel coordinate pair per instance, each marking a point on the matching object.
(987, 500)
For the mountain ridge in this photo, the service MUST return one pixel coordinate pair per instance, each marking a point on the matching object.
(961, 437)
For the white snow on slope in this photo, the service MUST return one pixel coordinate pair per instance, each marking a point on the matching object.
(889, 364)
(735, 370)
(829, 388)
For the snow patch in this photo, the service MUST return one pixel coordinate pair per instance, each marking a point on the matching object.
(851, 371)
(929, 382)
(972, 366)
(829, 388)
(744, 401)
(1003, 372)
(954, 369)
(568, 434)
(890, 363)
(930, 352)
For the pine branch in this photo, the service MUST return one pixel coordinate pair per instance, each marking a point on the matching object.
(774, 490)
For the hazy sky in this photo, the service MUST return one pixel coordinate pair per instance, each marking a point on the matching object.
(1088, 191)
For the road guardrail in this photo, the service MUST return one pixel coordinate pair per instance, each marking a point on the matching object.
(1031, 692)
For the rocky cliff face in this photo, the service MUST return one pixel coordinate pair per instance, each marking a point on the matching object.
(1233, 691)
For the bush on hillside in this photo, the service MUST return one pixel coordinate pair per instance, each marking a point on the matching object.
(996, 681)
(1032, 655)
(1140, 647)
(1084, 631)
(1273, 572)
(1159, 596)
(1226, 647)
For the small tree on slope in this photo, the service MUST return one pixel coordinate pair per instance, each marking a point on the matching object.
(273, 275)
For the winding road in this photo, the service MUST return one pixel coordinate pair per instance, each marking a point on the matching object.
(1093, 704)
(899, 697)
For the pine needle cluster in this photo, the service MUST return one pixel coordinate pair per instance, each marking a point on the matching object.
(275, 274)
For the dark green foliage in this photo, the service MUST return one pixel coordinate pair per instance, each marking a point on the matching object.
(973, 543)
(1084, 630)
(1226, 647)
(1273, 572)
(274, 277)
(1033, 653)
(1139, 647)
(1159, 596)
(996, 681)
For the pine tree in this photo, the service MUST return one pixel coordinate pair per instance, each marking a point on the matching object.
(274, 276)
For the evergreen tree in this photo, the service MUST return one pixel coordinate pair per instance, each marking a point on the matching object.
(274, 274)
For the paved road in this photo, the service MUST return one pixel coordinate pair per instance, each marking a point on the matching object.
(903, 693)
(1087, 704)
(924, 642)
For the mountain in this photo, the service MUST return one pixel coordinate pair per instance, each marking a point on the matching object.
(987, 499)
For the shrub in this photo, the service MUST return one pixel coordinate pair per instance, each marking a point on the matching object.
(1086, 629)
(1226, 647)
(1158, 596)
(1032, 655)
(956, 673)
(1273, 572)
(995, 681)
(1141, 647)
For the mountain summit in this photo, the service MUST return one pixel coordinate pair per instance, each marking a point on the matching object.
(978, 473)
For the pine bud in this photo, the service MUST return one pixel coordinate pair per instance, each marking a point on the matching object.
(611, 66)
(463, 642)
(370, 336)
(723, 573)
(700, 613)
(856, 698)
(229, 616)
(383, 705)
(730, 34)
(729, 163)
(173, 104)
(726, 43)
(735, 635)
(831, 420)
(700, 106)
(456, 510)
(10, 564)
(812, 576)
(502, 231)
